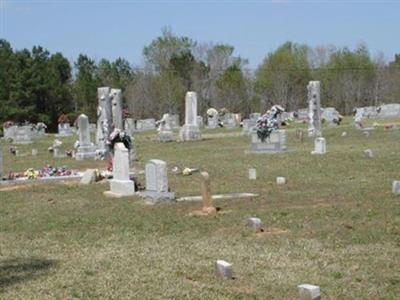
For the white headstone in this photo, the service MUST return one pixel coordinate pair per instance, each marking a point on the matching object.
(121, 185)
(223, 269)
(104, 118)
(190, 130)
(157, 181)
(274, 144)
(309, 292)
(368, 153)
(319, 146)
(396, 187)
(23, 135)
(314, 109)
(280, 180)
(86, 149)
(255, 224)
(252, 174)
(116, 108)
(64, 130)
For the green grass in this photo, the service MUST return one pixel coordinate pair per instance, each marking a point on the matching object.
(334, 224)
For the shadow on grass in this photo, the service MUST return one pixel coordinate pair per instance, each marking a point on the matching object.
(16, 270)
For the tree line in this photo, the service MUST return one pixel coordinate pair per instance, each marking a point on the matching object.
(36, 85)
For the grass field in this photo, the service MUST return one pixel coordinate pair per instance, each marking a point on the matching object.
(334, 224)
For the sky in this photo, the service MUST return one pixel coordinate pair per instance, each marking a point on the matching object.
(121, 28)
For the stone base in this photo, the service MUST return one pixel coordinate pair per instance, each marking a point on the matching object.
(158, 196)
(85, 152)
(190, 133)
(121, 188)
(275, 144)
(165, 136)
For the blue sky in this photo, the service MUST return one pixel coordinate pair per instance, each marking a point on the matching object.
(121, 28)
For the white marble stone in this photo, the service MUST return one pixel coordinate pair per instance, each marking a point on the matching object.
(121, 185)
(190, 130)
(368, 153)
(309, 292)
(314, 109)
(116, 108)
(212, 122)
(396, 187)
(89, 176)
(157, 181)
(274, 144)
(104, 118)
(23, 135)
(34, 152)
(223, 269)
(255, 224)
(64, 130)
(319, 146)
(280, 180)
(252, 174)
(86, 149)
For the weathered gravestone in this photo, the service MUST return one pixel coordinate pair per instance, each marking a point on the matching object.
(1, 164)
(121, 185)
(130, 127)
(165, 133)
(157, 181)
(319, 146)
(190, 130)
(396, 187)
(174, 122)
(145, 124)
(89, 176)
(255, 224)
(252, 174)
(86, 149)
(223, 269)
(274, 144)
(104, 118)
(116, 108)
(64, 130)
(229, 121)
(212, 122)
(200, 121)
(23, 135)
(314, 109)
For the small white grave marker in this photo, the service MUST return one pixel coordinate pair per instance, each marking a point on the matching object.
(223, 269)
(280, 180)
(252, 174)
(368, 153)
(309, 292)
(255, 223)
(396, 187)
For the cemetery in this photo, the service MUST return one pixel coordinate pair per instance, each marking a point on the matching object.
(246, 150)
(312, 220)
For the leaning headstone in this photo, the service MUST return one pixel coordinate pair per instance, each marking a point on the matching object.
(121, 185)
(274, 144)
(280, 180)
(104, 118)
(368, 153)
(23, 135)
(252, 174)
(86, 149)
(223, 269)
(89, 176)
(116, 108)
(319, 146)
(396, 187)
(190, 130)
(314, 109)
(255, 224)
(309, 292)
(157, 181)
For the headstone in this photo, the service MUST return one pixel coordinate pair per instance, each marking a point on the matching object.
(319, 146)
(314, 109)
(34, 152)
(23, 135)
(86, 149)
(145, 125)
(368, 153)
(104, 118)
(250, 124)
(190, 130)
(223, 269)
(302, 114)
(129, 126)
(200, 121)
(93, 128)
(255, 224)
(64, 130)
(212, 122)
(344, 134)
(121, 185)
(157, 181)
(174, 122)
(229, 121)
(331, 115)
(309, 292)
(280, 180)
(275, 143)
(116, 108)
(252, 174)
(9, 132)
(389, 111)
(165, 133)
(206, 194)
(396, 187)
(89, 176)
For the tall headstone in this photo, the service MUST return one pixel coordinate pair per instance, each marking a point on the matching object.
(104, 118)
(116, 108)
(314, 109)
(121, 185)
(190, 130)
(86, 149)
(23, 135)
(319, 146)
(157, 181)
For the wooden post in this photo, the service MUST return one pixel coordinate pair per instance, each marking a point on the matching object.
(206, 193)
